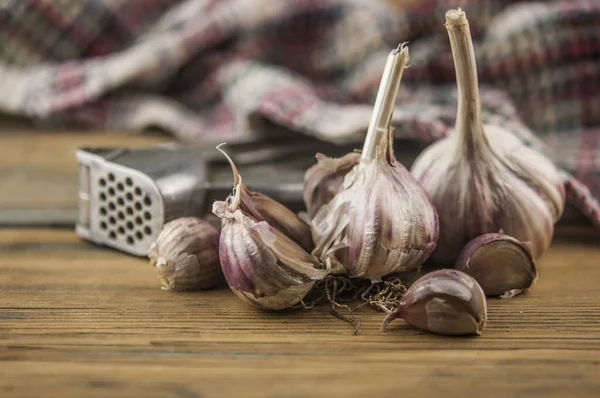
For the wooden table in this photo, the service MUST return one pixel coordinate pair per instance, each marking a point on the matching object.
(78, 320)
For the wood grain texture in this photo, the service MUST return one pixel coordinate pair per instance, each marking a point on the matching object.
(77, 320)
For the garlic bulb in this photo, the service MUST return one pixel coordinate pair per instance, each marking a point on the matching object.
(446, 302)
(381, 221)
(323, 180)
(501, 264)
(261, 263)
(482, 178)
(186, 256)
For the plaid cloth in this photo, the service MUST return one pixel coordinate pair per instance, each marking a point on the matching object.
(229, 69)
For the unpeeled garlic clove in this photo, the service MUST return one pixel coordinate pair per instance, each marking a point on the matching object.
(323, 180)
(501, 264)
(381, 220)
(263, 208)
(185, 255)
(262, 264)
(447, 302)
(481, 178)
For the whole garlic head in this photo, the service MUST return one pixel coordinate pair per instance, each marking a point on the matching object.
(381, 221)
(482, 178)
(185, 255)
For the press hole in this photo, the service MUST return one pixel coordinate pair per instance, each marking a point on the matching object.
(102, 182)
(121, 201)
(129, 225)
(138, 191)
(121, 215)
(111, 177)
(148, 230)
(111, 191)
(129, 196)
(138, 220)
(138, 206)
(139, 235)
(130, 240)
(112, 220)
(121, 230)
(147, 201)
(102, 196)
(147, 215)
(112, 235)
(120, 187)
(103, 211)
(103, 225)
(128, 181)
(112, 206)
(129, 210)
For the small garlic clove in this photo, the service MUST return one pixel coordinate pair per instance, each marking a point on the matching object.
(263, 208)
(502, 265)
(185, 255)
(323, 180)
(261, 264)
(447, 302)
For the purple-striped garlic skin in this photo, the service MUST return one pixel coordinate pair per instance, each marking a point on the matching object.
(482, 178)
(185, 255)
(502, 265)
(446, 301)
(262, 266)
(381, 222)
(323, 180)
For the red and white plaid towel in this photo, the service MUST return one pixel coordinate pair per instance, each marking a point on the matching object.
(221, 69)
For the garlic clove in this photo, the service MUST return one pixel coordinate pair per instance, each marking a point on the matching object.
(261, 264)
(481, 178)
(447, 302)
(381, 220)
(263, 208)
(502, 265)
(323, 180)
(185, 255)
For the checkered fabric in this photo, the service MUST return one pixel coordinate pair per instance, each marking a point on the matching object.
(227, 69)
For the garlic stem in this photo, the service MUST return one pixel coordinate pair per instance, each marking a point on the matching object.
(385, 101)
(469, 126)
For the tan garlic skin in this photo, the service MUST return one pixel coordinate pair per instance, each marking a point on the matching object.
(261, 264)
(186, 256)
(502, 265)
(447, 302)
(323, 180)
(482, 178)
(381, 222)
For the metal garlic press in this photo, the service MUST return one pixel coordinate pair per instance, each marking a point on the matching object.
(126, 196)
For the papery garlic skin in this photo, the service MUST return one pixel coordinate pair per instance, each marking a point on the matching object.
(323, 180)
(185, 255)
(261, 264)
(381, 221)
(447, 302)
(482, 178)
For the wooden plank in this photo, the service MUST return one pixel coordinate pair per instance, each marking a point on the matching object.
(77, 320)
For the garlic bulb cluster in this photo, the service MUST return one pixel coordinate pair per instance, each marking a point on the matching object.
(186, 255)
(446, 302)
(260, 249)
(381, 220)
(482, 178)
(502, 265)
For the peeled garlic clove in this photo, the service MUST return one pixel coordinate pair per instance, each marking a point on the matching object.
(501, 264)
(261, 264)
(186, 255)
(323, 180)
(482, 178)
(263, 208)
(446, 302)
(381, 221)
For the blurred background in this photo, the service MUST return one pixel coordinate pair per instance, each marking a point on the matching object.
(84, 72)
